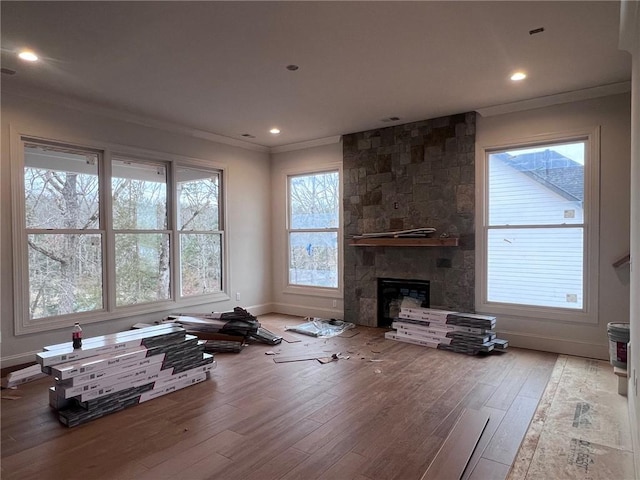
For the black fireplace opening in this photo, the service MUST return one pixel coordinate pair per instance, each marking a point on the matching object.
(391, 292)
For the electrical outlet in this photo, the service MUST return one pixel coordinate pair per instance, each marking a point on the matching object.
(334, 304)
(237, 296)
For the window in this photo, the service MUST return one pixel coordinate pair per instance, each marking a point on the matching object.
(62, 230)
(199, 231)
(313, 225)
(100, 235)
(540, 217)
(140, 227)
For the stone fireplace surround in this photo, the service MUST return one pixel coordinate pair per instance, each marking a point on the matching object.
(419, 174)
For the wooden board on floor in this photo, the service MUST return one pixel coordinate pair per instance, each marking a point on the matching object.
(454, 454)
(349, 333)
(287, 337)
(300, 358)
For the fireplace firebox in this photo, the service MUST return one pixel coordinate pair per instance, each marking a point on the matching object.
(391, 292)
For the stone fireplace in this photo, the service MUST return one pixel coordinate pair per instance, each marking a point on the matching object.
(419, 174)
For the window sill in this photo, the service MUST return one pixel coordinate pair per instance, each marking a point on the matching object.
(163, 308)
(313, 291)
(533, 313)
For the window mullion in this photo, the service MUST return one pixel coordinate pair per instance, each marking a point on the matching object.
(106, 225)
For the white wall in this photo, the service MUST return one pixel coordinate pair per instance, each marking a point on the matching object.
(248, 221)
(612, 115)
(630, 41)
(298, 301)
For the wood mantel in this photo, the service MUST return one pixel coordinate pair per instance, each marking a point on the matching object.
(404, 242)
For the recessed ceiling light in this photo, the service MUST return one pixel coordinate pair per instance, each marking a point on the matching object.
(28, 56)
(274, 131)
(517, 76)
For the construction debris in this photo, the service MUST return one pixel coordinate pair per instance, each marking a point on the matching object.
(321, 327)
(446, 330)
(225, 332)
(299, 358)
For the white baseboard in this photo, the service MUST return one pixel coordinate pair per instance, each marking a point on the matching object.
(18, 359)
(306, 311)
(260, 309)
(556, 345)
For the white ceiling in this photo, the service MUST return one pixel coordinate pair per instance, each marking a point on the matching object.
(220, 67)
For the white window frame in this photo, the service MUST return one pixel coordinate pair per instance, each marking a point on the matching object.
(329, 292)
(589, 312)
(178, 234)
(25, 325)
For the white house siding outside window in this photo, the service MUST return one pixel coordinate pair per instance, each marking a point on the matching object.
(539, 228)
(95, 234)
(312, 229)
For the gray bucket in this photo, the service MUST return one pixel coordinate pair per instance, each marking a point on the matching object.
(618, 339)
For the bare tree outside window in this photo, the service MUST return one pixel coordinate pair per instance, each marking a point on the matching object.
(199, 222)
(313, 229)
(61, 198)
(99, 236)
(139, 205)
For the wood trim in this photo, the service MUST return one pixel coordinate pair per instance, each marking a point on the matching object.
(404, 242)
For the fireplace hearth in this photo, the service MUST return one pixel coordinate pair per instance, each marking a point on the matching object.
(392, 291)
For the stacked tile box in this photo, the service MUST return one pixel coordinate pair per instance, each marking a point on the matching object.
(113, 372)
(446, 330)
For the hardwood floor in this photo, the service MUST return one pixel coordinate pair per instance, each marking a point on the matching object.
(381, 414)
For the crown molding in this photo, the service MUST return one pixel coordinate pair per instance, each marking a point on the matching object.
(307, 144)
(97, 109)
(557, 99)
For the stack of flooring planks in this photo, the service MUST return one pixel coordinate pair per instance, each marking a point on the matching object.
(446, 330)
(112, 372)
(225, 332)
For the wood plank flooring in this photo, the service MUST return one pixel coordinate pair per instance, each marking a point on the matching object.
(452, 458)
(381, 414)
